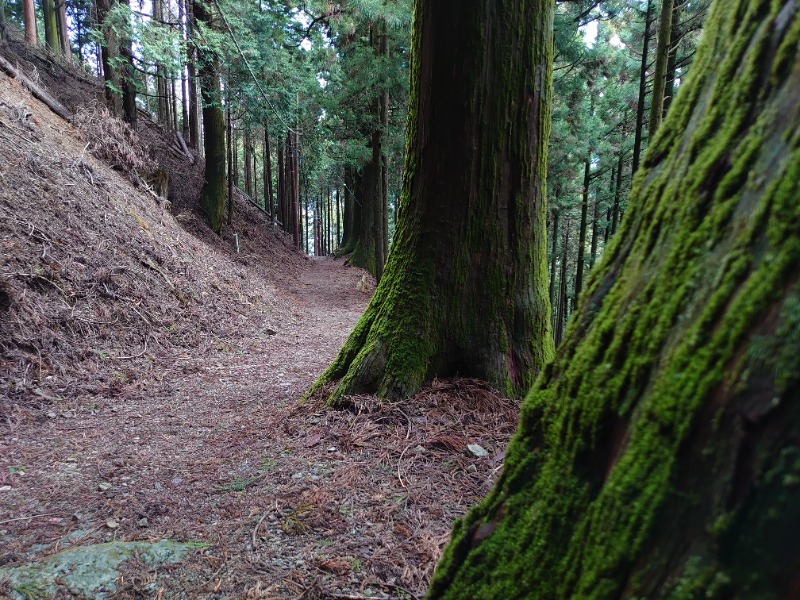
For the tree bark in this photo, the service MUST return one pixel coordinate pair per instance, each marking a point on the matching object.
(29, 18)
(191, 74)
(212, 195)
(465, 287)
(127, 80)
(268, 197)
(63, 30)
(563, 297)
(640, 106)
(615, 213)
(281, 218)
(579, 267)
(50, 26)
(554, 254)
(231, 184)
(660, 75)
(659, 455)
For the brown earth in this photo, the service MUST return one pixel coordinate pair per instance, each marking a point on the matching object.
(149, 386)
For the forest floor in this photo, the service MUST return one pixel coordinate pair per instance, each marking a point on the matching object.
(150, 385)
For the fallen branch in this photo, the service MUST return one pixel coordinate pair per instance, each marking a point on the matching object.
(184, 147)
(37, 92)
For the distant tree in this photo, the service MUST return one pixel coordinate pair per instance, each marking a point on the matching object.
(465, 287)
(659, 455)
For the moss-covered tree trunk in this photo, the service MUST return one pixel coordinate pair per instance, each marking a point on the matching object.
(212, 195)
(465, 286)
(50, 19)
(659, 455)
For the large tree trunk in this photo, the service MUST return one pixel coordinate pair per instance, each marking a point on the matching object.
(465, 287)
(127, 81)
(63, 29)
(29, 18)
(50, 18)
(369, 249)
(212, 196)
(659, 455)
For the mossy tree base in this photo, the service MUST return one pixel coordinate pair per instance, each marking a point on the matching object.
(658, 456)
(464, 292)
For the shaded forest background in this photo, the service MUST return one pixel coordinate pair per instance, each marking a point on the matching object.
(314, 98)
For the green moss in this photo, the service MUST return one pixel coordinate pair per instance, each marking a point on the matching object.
(712, 238)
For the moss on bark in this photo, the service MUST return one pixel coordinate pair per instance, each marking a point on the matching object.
(657, 457)
(465, 286)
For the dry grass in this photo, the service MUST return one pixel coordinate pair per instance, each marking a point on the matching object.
(112, 140)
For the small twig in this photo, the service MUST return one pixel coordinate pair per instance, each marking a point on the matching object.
(399, 462)
(134, 355)
(408, 420)
(28, 518)
(255, 531)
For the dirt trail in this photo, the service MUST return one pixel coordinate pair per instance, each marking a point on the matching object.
(149, 379)
(291, 501)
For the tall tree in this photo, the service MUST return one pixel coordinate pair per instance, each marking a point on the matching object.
(662, 59)
(675, 397)
(212, 196)
(640, 105)
(465, 287)
(50, 18)
(29, 17)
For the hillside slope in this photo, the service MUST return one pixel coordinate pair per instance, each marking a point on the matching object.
(98, 282)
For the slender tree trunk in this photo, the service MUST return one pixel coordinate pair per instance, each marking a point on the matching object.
(554, 254)
(295, 185)
(230, 160)
(674, 37)
(247, 151)
(658, 456)
(595, 219)
(563, 298)
(338, 219)
(615, 215)
(281, 189)
(662, 57)
(579, 268)
(29, 18)
(640, 106)
(465, 287)
(610, 207)
(268, 198)
(254, 154)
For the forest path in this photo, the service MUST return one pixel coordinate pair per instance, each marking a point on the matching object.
(150, 379)
(288, 500)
